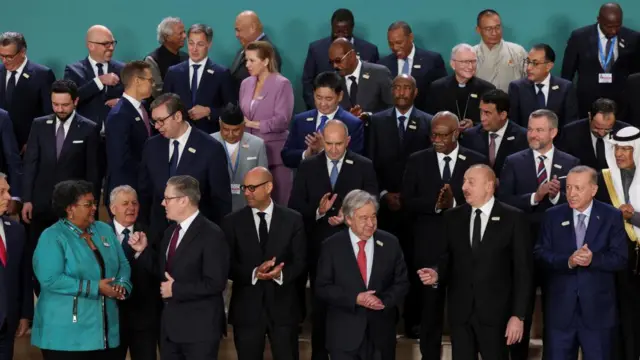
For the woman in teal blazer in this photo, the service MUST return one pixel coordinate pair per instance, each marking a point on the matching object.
(83, 271)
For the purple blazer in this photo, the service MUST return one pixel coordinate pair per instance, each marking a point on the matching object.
(273, 108)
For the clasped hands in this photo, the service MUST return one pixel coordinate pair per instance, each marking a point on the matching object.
(369, 300)
(445, 197)
(252, 124)
(581, 257)
(550, 188)
(627, 211)
(314, 142)
(106, 288)
(326, 203)
(269, 271)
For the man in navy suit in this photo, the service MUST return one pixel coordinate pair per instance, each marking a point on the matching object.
(16, 292)
(317, 61)
(180, 150)
(203, 86)
(541, 90)
(10, 161)
(305, 134)
(582, 246)
(495, 137)
(25, 87)
(127, 128)
(424, 65)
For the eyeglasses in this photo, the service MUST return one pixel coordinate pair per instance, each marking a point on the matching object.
(534, 63)
(251, 188)
(106, 43)
(167, 198)
(339, 61)
(9, 57)
(88, 204)
(151, 80)
(436, 135)
(490, 29)
(467, 62)
(161, 121)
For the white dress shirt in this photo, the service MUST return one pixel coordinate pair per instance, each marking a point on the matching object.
(603, 44)
(547, 165)
(184, 226)
(267, 218)
(18, 71)
(329, 168)
(65, 125)
(119, 229)
(586, 212)
(136, 104)
(368, 250)
(484, 218)
(183, 142)
(105, 69)
(355, 73)
(409, 58)
(498, 139)
(407, 115)
(231, 148)
(202, 63)
(319, 121)
(545, 89)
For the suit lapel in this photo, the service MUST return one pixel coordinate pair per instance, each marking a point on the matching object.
(378, 262)
(188, 237)
(88, 69)
(346, 101)
(74, 132)
(363, 82)
(554, 99)
(324, 172)
(394, 66)
(186, 83)
(309, 126)
(23, 81)
(275, 230)
(265, 92)
(205, 80)
(351, 260)
(530, 166)
(346, 173)
(189, 153)
(594, 224)
(10, 240)
(3, 87)
(493, 225)
(505, 148)
(252, 234)
(237, 61)
(465, 228)
(461, 162)
(556, 165)
(391, 128)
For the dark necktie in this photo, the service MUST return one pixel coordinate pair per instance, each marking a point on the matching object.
(172, 247)
(477, 231)
(194, 84)
(446, 172)
(542, 170)
(323, 121)
(263, 231)
(609, 65)
(128, 250)
(11, 85)
(602, 161)
(100, 73)
(401, 129)
(542, 102)
(173, 162)
(353, 91)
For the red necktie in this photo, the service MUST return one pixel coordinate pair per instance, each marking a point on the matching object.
(362, 260)
(3, 252)
(145, 118)
(172, 247)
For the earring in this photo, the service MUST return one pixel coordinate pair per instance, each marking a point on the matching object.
(71, 216)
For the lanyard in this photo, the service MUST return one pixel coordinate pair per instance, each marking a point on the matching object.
(605, 62)
(233, 168)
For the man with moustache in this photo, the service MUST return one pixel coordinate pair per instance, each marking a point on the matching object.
(171, 36)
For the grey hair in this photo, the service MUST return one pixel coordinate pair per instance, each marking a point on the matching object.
(356, 199)
(336, 121)
(459, 47)
(15, 38)
(580, 169)
(445, 114)
(552, 118)
(201, 28)
(3, 175)
(121, 189)
(188, 186)
(165, 28)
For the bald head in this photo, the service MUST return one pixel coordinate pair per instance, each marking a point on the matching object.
(610, 19)
(484, 171)
(258, 184)
(342, 56)
(342, 44)
(403, 79)
(248, 27)
(258, 175)
(336, 139)
(100, 43)
(444, 132)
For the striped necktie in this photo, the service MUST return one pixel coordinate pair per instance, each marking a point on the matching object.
(542, 170)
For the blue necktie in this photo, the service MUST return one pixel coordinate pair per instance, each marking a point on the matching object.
(542, 102)
(323, 121)
(11, 85)
(173, 162)
(334, 173)
(405, 67)
(581, 230)
(128, 250)
(401, 129)
(194, 84)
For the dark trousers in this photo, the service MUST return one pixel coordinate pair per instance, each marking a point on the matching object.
(208, 350)
(250, 340)
(142, 344)
(520, 351)
(109, 354)
(318, 314)
(628, 291)
(7, 337)
(432, 322)
(473, 336)
(366, 351)
(39, 223)
(563, 344)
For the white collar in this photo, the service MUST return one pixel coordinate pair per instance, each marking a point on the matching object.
(549, 154)
(330, 116)
(69, 120)
(356, 72)
(20, 68)
(586, 212)
(120, 228)
(502, 130)
(136, 104)
(412, 54)
(329, 161)
(93, 62)
(546, 82)
(407, 114)
(486, 208)
(453, 154)
(201, 62)
(184, 137)
(184, 225)
(268, 210)
(355, 239)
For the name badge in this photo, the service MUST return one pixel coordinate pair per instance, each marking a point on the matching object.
(605, 78)
(412, 127)
(210, 71)
(252, 158)
(365, 76)
(310, 119)
(557, 166)
(25, 75)
(462, 157)
(137, 118)
(349, 161)
(192, 150)
(417, 66)
(511, 138)
(495, 218)
(475, 96)
(565, 223)
(49, 121)
(78, 141)
(235, 189)
(245, 146)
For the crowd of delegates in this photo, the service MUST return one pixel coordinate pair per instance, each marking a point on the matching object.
(400, 188)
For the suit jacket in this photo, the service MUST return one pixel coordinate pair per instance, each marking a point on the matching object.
(317, 61)
(273, 108)
(374, 89)
(216, 89)
(312, 182)
(238, 67)
(443, 97)
(582, 57)
(287, 243)
(487, 283)
(388, 154)
(561, 100)
(10, 161)
(202, 158)
(78, 159)
(16, 295)
(251, 153)
(200, 267)
(591, 288)
(630, 106)
(428, 66)
(92, 100)
(419, 195)
(339, 282)
(304, 124)
(514, 140)
(31, 97)
(576, 140)
(161, 59)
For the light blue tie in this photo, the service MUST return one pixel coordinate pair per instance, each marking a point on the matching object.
(323, 121)
(405, 67)
(581, 230)
(334, 173)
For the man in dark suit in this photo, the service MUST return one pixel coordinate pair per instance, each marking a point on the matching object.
(140, 313)
(582, 246)
(62, 146)
(10, 161)
(16, 305)
(460, 93)
(424, 65)
(181, 150)
(248, 28)
(486, 293)
(585, 138)
(541, 90)
(305, 133)
(496, 137)
(268, 255)
(203, 86)
(363, 278)
(432, 183)
(317, 60)
(193, 262)
(319, 188)
(171, 36)
(127, 127)
(25, 87)
(630, 110)
(602, 55)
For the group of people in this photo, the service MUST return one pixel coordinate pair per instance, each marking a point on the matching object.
(400, 189)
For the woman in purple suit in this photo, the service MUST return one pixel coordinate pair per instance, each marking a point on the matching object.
(266, 99)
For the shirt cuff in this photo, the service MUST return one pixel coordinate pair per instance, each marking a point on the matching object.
(383, 193)
(555, 199)
(16, 198)
(279, 280)
(254, 279)
(318, 216)
(303, 152)
(98, 83)
(136, 255)
(533, 199)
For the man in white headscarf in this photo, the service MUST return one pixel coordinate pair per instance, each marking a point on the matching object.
(622, 189)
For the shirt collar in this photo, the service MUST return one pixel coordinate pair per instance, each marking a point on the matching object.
(201, 62)
(268, 210)
(93, 62)
(498, 46)
(184, 225)
(547, 81)
(486, 208)
(120, 228)
(356, 72)
(136, 104)
(184, 137)
(69, 120)
(262, 35)
(21, 67)
(355, 239)
(407, 115)
(412, 54)
(330, 116)
(586, 212)
(330, 163)
(549, 153)
(453, 155)
(502, 130)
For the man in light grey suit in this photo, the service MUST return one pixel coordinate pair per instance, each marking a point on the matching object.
(244, 151)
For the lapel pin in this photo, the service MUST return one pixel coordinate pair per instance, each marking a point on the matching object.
(379, 243)
(7, 223)
(49, 121)
(365, 75)
(310, 119)
(25, 75)
(104, 241)
(555, 87)
(245, 146)
(475, 96)
(511, 138)
(192, 150)
(565, 223)
(598, 217)
(462, 157)
(210, 71)
(562, 177)
(412, 127)
(348, 161)
(621, 43)
(557, 166)
(261, 97)
(495, 218)
(137, 118)
(417, 66)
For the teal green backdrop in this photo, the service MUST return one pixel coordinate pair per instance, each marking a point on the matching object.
(55, 30)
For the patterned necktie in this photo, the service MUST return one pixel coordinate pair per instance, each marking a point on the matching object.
(11, 85)
(172, 247)
(542, 102)
(334, 173)
(145, 118)
(362, 260)
(263, 231)
(173, 162)
(353, 91)
(401, 129)
(609, 65)
(581, 230)
(542, 170)
(405, 66)
(446, 172)
(194, 84)
(492, 148)
(323, 121)
(59, 139)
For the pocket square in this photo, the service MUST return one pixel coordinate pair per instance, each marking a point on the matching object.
(78, 141)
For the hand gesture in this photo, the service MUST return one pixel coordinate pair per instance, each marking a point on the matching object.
(198, 112)
(368, 300)
(23, 327)
(326, 203)
(445, 198)
(337, 220)
(166, 287)
(627, 211)
(428, 276)
(268, 270)
(543, 190)
(107, 289)
(138, 241)
(465, 124)
(356, 111)
(27, 212)
(515, 330)
(111, 102)
(109, 79)
(554, 187)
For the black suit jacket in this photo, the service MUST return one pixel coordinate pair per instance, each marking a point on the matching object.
(420, 188)
(576, 141)
(562, 100)
(428, 66)
(630, 105)
(339, 282)
(200, 268)
(10, 161)
(388, 154)
(312, 182)
(287, 243)
(78, 159)
(514, 140)
(496, 282)
(442, 96)
(582, 57)
(31, 97)
(16, 290)
(239, 70)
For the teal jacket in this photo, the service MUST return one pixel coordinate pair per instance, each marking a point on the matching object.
(69, 311)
